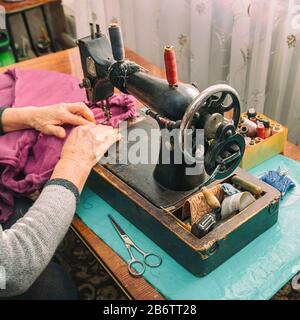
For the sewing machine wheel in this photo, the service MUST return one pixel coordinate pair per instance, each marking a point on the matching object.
(223, 153)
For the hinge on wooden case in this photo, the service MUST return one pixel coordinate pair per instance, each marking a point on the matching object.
(273, 206)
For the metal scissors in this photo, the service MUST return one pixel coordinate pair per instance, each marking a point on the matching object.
(146, 261)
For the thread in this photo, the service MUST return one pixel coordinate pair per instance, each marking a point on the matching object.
(251, 113)
(268, 131)
(260, 131)
(251, 127)
(244, 131)
(258, 140)
(277, 129)
(170, 65)
(252, 143)
(247, 140)
(117, 44)
(260, 119)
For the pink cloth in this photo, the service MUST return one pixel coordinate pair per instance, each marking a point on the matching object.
(27, 158)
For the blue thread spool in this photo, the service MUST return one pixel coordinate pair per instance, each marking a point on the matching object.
(117, 44)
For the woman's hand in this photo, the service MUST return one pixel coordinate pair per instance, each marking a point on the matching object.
(48, 120)
(84, 147)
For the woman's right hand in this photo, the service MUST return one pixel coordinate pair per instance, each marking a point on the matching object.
(84, 147)
(89, 143)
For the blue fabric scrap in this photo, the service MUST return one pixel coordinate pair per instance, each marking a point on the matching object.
(229, 189)
(279, 180)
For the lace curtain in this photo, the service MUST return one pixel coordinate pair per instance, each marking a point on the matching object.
(250, 44)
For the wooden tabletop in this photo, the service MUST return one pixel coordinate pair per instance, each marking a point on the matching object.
(68, 61)
(14, 7)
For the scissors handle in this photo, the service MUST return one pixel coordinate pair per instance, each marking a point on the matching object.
(139, 265)
(147, 256)
(152, 264)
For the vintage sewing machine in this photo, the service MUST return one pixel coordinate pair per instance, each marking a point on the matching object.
(151, 195)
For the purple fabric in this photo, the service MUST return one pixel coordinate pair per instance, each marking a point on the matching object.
(27, 158)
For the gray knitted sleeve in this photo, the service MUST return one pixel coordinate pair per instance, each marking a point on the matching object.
(28, 246)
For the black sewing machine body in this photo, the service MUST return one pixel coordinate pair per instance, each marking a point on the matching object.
(152, 195)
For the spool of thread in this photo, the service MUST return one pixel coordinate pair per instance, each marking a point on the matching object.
(251, 113)
(244, 131)
(260, 131)
(258, 140)
(170, 65)
(210, 198)
(277, 129)
(247, 186)
(247, 140)
(236, 203)
(117, 44)
(259, 118)
(251, 127)
(268, 131)
(204, 225)
(252, 143)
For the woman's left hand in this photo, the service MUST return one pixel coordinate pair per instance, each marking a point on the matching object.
(48, 120)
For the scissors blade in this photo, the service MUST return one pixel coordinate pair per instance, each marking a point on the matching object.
(120, 231)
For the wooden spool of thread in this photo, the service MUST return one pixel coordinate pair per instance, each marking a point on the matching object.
(170, 65)
(247, 186)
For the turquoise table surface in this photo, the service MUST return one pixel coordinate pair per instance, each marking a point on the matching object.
(256, 272)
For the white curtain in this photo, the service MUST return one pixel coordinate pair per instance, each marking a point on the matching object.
(251, 44)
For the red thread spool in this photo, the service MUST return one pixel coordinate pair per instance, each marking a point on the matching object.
(170, 65)
(261, 131)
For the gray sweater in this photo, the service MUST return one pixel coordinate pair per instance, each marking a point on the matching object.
(29, 245)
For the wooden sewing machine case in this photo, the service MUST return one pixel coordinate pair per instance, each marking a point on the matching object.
(132, 191)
